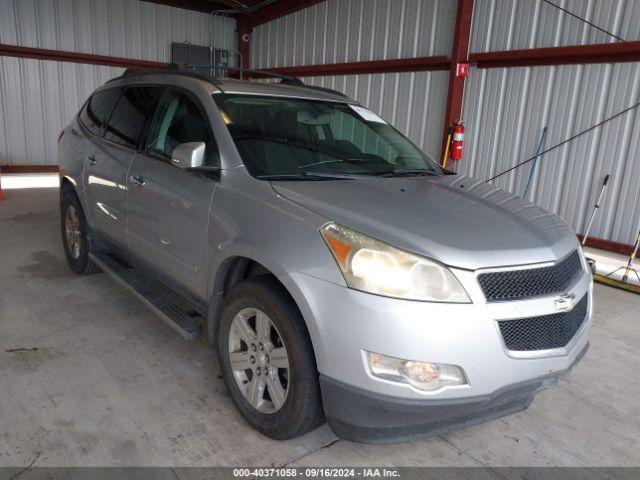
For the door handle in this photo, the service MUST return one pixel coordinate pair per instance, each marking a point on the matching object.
(92, 160)
(165, 242)
(137, 180)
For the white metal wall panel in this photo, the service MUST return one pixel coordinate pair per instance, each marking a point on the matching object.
(520, 24)
(38, 98)
(355, 30)
(506, 110)
(119, 28)
(358, 30)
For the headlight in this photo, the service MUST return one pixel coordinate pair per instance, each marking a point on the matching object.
(375, 267)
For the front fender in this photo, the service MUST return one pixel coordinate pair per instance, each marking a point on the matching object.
(249, 220)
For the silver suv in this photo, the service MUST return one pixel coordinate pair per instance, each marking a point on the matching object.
(338, 271)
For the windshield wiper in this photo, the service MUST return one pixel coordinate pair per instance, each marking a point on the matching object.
(284, 141)
(409, 172)
(306, 176)
(396, 172)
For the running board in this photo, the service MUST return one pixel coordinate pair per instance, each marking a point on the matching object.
(187, 327)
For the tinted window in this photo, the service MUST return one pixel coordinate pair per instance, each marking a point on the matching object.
(289, 136)
(96, 111)
(348, 130)
(180, 120)
(130, 113)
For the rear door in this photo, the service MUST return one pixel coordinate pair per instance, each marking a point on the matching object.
(168, 208)
(103, 178)
(106, 169)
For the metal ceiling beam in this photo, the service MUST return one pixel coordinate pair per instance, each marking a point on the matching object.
(578, 54)
(419, 64)
(596, 53)
(278, 9)
(269, 12)
(195, 5)
(75, 57)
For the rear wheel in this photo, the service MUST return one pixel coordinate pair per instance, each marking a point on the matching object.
(267, 360)
(74, 234)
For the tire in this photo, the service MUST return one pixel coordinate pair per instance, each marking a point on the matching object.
(76, 249)
(301, 410)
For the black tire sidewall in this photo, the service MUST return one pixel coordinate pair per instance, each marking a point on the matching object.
(80, 264)
(302, 409)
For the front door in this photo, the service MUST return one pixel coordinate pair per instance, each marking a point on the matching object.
(168, 208)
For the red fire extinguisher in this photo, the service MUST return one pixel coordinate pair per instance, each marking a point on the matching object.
(458, 141)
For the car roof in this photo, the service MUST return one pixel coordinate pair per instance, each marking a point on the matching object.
(282, 88)
(288, 87)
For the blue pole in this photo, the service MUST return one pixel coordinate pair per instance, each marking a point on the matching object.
(535, 159)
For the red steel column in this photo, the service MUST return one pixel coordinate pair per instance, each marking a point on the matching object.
(462, 32)
(244, 41)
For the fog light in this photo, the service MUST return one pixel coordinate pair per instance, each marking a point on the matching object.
(422, 375)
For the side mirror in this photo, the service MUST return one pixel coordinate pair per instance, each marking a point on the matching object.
(188, 155)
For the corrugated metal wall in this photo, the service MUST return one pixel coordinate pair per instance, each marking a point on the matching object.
(505, 111)
(519, 24)
(355, 30)
(39, 97)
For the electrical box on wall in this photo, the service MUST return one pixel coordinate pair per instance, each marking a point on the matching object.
(203, 58)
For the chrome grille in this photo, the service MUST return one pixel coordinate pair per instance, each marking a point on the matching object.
(532, 282)
(546, 332)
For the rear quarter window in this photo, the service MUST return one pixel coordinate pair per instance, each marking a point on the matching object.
(97, 110)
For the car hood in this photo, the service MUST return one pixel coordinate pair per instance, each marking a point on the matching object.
(457, 220)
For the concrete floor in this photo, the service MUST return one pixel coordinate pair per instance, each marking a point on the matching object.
(110, 384)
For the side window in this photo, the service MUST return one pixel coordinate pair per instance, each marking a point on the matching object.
(130, 113)
(96, 111)
(180, 120)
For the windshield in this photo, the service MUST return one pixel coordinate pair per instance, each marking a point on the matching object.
(296, 138)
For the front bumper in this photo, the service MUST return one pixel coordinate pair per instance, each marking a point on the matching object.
(362, 416)
(344, 324)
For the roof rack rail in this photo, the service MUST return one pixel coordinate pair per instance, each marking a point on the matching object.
(171, 69)
(290, 80)
(284, 78)
(251, 72)
(186, 69)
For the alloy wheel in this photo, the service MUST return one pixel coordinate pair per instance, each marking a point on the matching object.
(259, 360)
(72, 232)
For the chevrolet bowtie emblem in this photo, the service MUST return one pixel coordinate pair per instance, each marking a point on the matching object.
(566, 302)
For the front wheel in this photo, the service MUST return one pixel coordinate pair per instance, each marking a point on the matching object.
(267, 360)
(74, 234)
